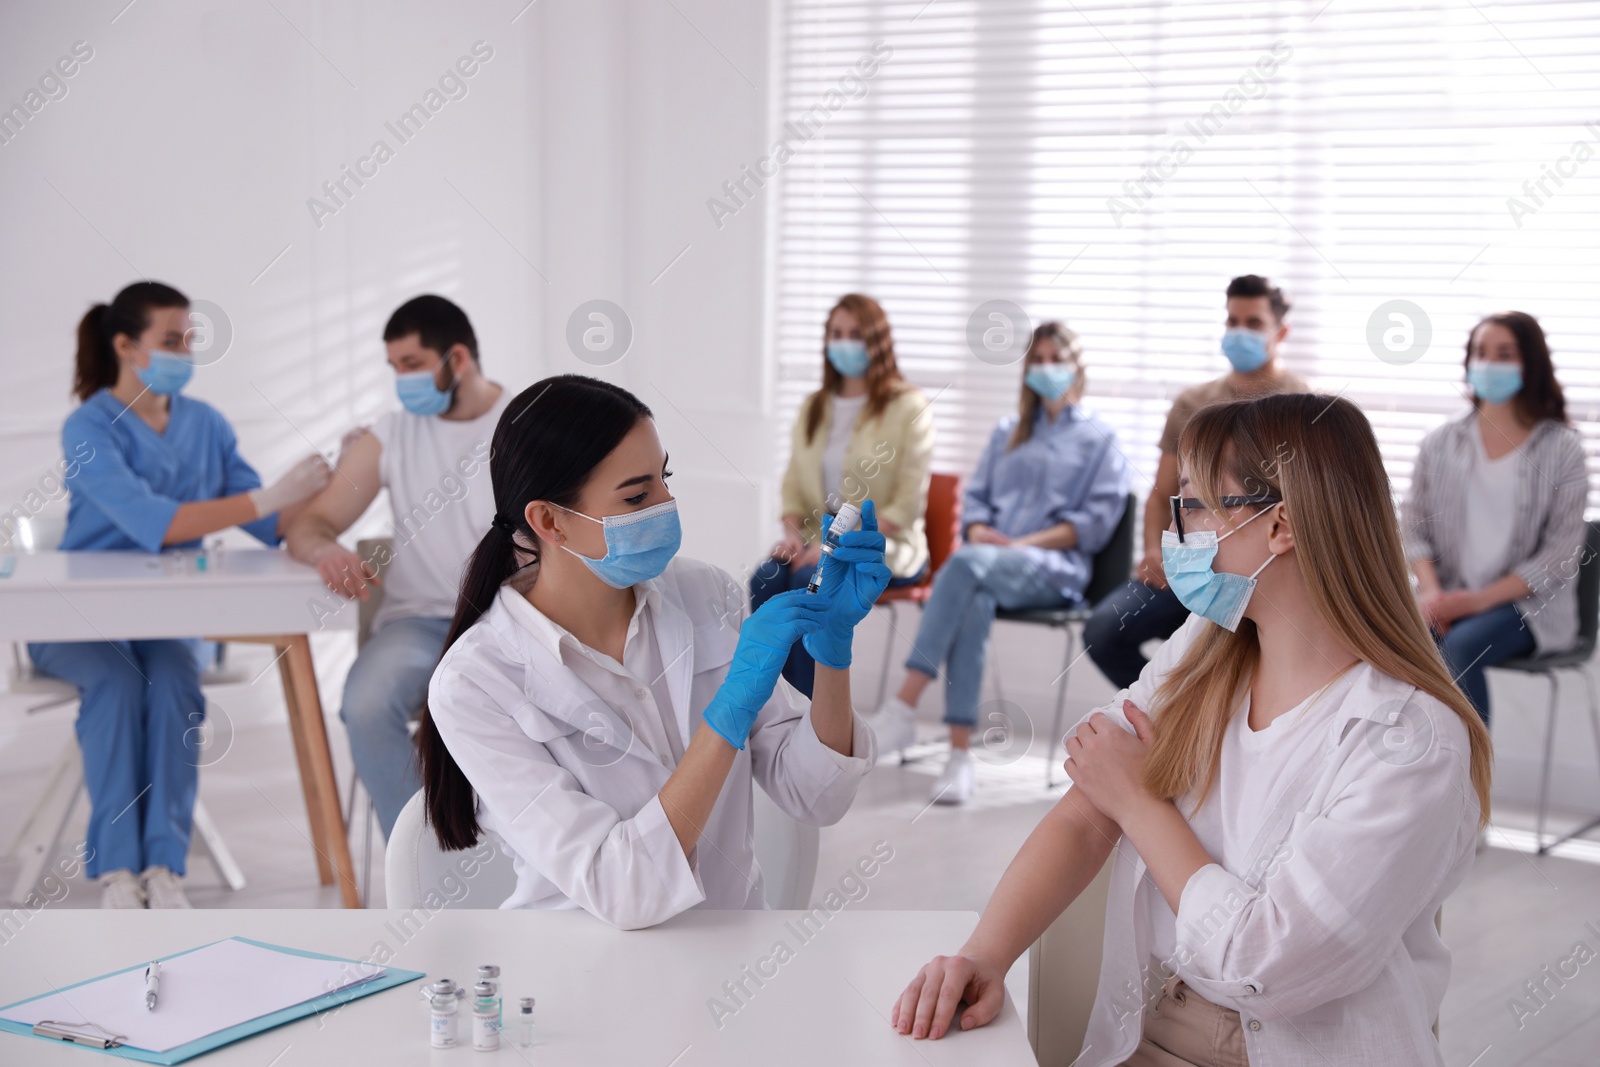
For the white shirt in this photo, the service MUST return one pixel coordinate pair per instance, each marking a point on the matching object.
(1317, 922)
(846, 413)
(1253, 766)
(437, 473)
(566, 774)
(1491, 502)
(636, 688)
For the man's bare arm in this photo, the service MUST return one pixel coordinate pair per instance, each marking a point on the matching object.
(314, 535)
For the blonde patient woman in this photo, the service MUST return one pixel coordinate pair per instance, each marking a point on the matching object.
(866, 432)
(1295, 782)
(1047, 494)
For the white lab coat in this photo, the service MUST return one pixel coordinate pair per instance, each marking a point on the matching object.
(1323, 938)
(573, 796)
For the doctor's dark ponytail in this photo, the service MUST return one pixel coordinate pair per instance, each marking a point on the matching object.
(129, 312)
(548, 442)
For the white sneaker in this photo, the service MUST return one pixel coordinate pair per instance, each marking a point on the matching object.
(120, 889)
(894, 725)
(959, 779)
(163, 888)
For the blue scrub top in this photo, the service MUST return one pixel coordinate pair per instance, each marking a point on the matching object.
(130, 480)
(1070, 470)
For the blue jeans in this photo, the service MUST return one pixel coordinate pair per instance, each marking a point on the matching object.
(974, 582)
(1125, 620)
(385, 690)
(771, 578)
(140, 706)
(1478, 641)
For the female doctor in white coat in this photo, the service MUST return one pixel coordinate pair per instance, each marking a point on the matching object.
(602, 705)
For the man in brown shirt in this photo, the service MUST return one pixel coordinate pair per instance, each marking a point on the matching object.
(1145, 607)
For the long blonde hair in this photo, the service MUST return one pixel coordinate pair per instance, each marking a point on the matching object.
(1318, 454)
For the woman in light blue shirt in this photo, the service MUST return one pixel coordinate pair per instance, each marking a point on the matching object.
(1047, 495)
(154, 470)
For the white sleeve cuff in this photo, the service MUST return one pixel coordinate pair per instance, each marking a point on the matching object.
(863, 743)
(1208, 912)
(680, 879)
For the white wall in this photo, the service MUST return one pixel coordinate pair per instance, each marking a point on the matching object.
(574, 168)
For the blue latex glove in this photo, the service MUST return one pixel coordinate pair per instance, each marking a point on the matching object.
(764, 643)
(852, 578)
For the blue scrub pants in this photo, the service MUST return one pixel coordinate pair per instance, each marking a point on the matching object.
(773, 577)
(385, 689)
(138, 717)
(972, 584)
(1479, 641)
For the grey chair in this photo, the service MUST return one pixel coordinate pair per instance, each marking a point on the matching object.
(1111, 567)
(1575, 659)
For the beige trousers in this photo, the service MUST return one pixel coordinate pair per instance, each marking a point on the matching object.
(1186, 1030)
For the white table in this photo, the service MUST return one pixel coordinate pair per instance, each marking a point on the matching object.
(604, 996)
(257, 595)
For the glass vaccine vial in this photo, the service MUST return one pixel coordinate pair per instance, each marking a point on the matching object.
(525, 1023)
(442, 1020)
(485, 1024)
(842, 524)
(491, 974)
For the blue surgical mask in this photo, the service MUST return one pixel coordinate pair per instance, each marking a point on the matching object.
(1495, 382)
(1050, 380)
(167, 373)
(1245, 349)
(639, 544)
(420, 396)
(1219, 597)
(848, 356)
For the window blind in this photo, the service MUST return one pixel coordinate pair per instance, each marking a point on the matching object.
(1113, 163)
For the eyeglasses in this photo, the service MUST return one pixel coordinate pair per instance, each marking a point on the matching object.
(1180, 504)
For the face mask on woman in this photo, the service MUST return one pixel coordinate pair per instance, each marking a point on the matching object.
(1219, 597)
(1050, 380)
(1495, 381)
(639, 544)
(848, 356)
(167, 373)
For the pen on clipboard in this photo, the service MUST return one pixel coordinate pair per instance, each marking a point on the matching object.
(152, 983)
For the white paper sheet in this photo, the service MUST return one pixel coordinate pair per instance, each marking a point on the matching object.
(201, 992)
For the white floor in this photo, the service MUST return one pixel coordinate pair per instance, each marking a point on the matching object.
(1517, 913)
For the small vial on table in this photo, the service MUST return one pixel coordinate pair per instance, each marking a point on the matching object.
(525, 1023)
(842, 524)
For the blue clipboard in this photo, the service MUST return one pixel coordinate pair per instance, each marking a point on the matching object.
(200, 1046)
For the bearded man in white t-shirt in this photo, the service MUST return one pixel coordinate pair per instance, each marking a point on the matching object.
(433, 458)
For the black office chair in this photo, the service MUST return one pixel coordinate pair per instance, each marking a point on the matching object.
(1111, 567)
(1574, 659)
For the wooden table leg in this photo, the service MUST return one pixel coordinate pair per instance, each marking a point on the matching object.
(302, 756)
(316, 767)
(310, 733)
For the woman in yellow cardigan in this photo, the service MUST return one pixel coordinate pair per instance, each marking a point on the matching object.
(866, 433)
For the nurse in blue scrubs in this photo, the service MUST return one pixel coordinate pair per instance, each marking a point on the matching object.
(155, 470)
